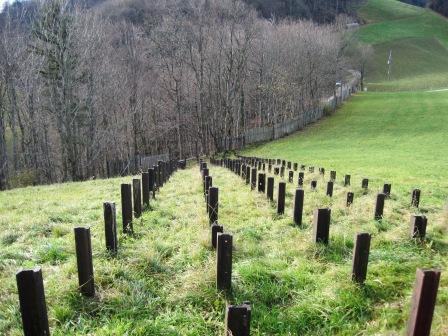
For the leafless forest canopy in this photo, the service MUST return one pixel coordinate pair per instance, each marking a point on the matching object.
(82, 87)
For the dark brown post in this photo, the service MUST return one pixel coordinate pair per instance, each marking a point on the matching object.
(291, 176)
(126, 207)
(270, 168)
(238, 320)
(333, 175)
(379, 207)
(33, 306)
(350, 197)
(247, 174)
(262, 182)
(296, 166)
(361, 257)
(208, 184)
(418, 226)
(302, 167)
(347, 180)
(386, 189)
(145, 189)
(216, 228)
(270, 191)
(289, 165)
(423, 302)
(298, 207)
(253, 181)
(282, 171)
(330, 188)
(322, 171)
(301, 177)
(311, 169)
(110, 226)
(152, 182)
(213, 205)
(365, 183)
(137, 193)
(313, 184)
(276, 171)
(415, 200)
(321, 225)
(84, 261)
(224, 261)
(281, 198)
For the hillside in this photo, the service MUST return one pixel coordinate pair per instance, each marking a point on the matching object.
(162, 282)
(418, 39)
(398, 137)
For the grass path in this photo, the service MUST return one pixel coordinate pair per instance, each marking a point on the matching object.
(162, 282)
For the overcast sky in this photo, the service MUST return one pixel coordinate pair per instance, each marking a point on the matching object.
(2, 2)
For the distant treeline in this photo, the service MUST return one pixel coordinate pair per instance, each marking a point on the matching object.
(317, 10)
(83, 86)
(440, 6)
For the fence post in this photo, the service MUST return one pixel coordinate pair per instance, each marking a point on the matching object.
(321, 225)
(152, 182)
(247, 174)
(313, 184)
(350, 197)
(110, 226)
(253, 179)
(291, 176)
(238, 320)
(281, 198)
(126, 207)
(415, 200)
(33, 307)
(224, 261)
(333, 175)
(301, 177)
(418, 226)
(213, 205)
(298, 207)
(137, 195)
(330, 188)
(296, 166)
(423, 302)
(145, 189)
(84, 261)
(386, 189)
(347, 180)
(361, 257)
(365, 183)
(215, 229)
(262, 182)
(270, 191)
(379, 207)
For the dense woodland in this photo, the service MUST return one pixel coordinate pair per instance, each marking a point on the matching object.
(83, 85)
(440, 6)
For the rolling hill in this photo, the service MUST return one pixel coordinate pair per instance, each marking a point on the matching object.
(418, 39)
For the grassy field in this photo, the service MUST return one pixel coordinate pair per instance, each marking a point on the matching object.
(418, 39)
(162, 281)
(395, 137)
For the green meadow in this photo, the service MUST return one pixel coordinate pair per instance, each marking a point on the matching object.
(418, 39)
(162, 282)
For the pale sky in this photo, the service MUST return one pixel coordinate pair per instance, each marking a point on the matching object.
(2, 2)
